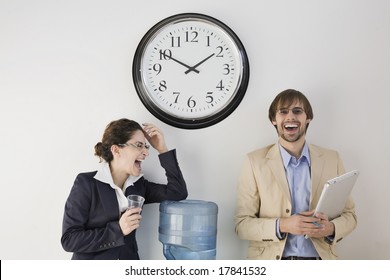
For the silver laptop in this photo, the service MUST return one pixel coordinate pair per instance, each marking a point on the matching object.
(335, 194)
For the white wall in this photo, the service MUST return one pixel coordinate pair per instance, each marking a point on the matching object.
(65, 72)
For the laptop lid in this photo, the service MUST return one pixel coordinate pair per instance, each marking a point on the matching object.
(335, 194)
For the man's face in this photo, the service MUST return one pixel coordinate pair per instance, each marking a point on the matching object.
(291, 122)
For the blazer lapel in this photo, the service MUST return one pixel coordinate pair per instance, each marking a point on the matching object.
(276, 165)
(108, 198)
(317, 165)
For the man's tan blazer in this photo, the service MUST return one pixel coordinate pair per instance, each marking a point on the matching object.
(263, 196)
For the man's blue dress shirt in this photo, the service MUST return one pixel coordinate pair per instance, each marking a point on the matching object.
(299, 181)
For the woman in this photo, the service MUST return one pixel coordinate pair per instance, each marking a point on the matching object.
(97, 223)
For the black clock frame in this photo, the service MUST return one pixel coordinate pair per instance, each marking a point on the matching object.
(182, 122)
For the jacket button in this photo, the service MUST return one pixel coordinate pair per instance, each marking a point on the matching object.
(278, 257)
(287, 211)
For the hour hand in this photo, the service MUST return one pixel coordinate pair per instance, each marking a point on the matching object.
(193, 68)
(182, 63)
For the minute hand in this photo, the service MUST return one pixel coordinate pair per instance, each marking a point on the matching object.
(193, 68)
(185, 65)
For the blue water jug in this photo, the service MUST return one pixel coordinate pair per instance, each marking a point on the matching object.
(188, 229)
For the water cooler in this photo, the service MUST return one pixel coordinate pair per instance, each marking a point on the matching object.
(188, 229)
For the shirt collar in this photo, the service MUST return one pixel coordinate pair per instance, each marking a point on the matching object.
(286, 157)
(104, 175)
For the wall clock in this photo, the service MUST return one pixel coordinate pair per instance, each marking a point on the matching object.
(190, 70)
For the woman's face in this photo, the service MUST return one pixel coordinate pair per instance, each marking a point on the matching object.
(132, 153)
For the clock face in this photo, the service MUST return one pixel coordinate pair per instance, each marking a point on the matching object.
(190, 71)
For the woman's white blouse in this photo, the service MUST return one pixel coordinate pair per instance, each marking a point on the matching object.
(104, 175)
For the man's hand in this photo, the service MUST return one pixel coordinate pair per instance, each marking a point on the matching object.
(327, 227)
(302, 224)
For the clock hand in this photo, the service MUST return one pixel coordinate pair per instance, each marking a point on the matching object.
(185, 65)
(193, 68)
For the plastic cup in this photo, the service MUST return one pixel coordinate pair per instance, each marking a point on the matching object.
(135, 201)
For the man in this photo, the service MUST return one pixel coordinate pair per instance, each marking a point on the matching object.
(280, 186)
